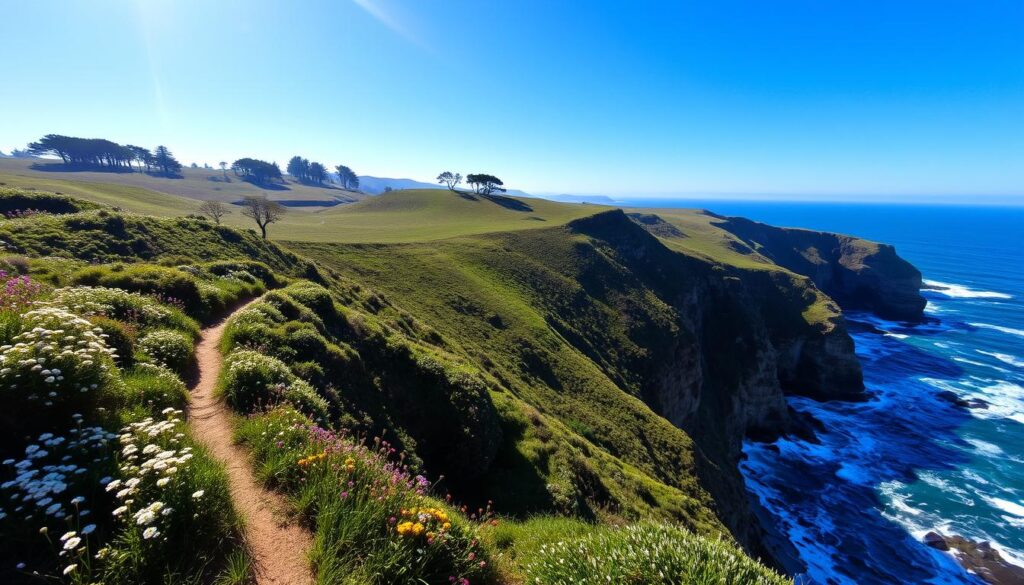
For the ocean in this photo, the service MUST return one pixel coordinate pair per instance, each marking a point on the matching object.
(908, 461)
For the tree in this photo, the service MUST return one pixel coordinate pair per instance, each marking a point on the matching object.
(165, 161)
(450, 179)
(348, 178)
(224, 169)
(262, 211)
(317, 172)
(140, 155)
(257, 171)
(52, 144)
(298, 168)
(214, 210)
(485, 184)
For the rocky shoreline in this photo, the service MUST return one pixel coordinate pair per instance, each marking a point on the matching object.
(978, 558)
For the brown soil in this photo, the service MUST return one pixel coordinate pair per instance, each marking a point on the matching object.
(279, 547)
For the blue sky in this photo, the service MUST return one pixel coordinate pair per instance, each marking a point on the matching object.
(623, 98)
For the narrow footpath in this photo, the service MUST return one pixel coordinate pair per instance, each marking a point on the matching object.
(278, 547)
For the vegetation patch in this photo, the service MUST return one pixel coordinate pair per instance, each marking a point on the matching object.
(375, 518)
(100, 480)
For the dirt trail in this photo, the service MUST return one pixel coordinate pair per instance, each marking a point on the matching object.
(279, 548)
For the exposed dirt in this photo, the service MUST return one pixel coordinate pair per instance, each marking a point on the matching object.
(278, 546)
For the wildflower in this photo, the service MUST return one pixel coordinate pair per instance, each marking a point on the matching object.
(89, 529)
(72, 543)
(70, 569)
(150, 532)
(198, 494)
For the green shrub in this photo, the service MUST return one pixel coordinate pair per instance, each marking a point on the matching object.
(131, 307)
(313, 296)
(170, 283)
(305, 399)
(10, 325)
(153, 386)
(249, 380)
(172, 349)
(120, 337)
(56, 366)
(234, 268)
(17, 200)
(644, 553)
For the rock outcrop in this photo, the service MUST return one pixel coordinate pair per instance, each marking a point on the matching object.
(977, 557)
(856, 273)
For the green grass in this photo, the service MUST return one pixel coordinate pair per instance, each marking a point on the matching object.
(194, 184)
(420, 215)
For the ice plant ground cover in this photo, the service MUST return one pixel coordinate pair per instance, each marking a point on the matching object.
(108, 487)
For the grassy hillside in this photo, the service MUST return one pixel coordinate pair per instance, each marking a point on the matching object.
(428, 214)
(401, 216)
(201, 184)
(516, 364)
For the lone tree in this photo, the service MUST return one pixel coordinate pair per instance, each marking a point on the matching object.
(348, 178)
(485, 184)
(224, 169)
(449, 178)
(262, 211)
(165, 161)
(214, 210)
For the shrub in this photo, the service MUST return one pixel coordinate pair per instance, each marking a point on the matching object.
(313, 296)
(153, 386)
(644, 553)
(168, 348)
(305, 399)
(249, 379)
(55, 486)
(120, 337)
(131, 307)
(148, 279)
(56, 364)
(15, 201)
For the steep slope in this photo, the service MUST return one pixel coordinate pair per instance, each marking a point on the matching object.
(600, 326)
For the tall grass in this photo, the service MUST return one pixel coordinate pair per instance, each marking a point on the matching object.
(375, 521)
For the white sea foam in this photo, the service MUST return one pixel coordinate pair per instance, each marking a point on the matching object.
(984, 447)
(1007, 330)
(957, 291)
(1007, 506)
(896, 335)
(1004, 357)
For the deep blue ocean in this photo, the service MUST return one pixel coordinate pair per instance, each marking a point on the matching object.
(907, 461)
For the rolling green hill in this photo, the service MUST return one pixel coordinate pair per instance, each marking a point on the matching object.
(201, 184)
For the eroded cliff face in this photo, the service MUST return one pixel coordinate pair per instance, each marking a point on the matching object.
(857, 273)
(743, 340)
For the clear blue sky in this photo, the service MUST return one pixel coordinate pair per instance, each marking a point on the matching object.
(646, 98)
